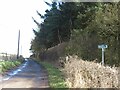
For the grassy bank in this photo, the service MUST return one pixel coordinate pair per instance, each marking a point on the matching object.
(7, 65)
(54, 75)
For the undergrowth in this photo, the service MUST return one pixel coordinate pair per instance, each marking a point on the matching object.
(55, 77)
(86, 74)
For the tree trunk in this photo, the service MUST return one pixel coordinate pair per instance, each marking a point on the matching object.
(118, 34)
(59, 37)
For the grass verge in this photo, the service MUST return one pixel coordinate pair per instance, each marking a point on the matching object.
(7, 65)
(54, 75)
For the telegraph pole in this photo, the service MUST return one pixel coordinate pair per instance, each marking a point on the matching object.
(18, 44)
(21, 50)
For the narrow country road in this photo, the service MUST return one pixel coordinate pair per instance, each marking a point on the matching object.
(29, 75)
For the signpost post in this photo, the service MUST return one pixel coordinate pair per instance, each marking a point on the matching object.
(103, 46)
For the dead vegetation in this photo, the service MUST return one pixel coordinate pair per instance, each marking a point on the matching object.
(53, 53)
(85, 74)
(82, 74)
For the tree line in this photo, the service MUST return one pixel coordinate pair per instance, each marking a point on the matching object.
(84, 25)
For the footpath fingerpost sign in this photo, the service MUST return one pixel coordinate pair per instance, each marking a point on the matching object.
(102, 46)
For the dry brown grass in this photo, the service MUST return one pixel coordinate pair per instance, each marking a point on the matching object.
(85, 74)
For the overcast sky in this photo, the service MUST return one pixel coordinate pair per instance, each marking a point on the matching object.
(17, 15)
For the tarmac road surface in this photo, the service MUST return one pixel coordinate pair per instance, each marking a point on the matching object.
(28, 75)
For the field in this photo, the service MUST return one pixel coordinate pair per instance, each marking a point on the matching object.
(7, 65)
